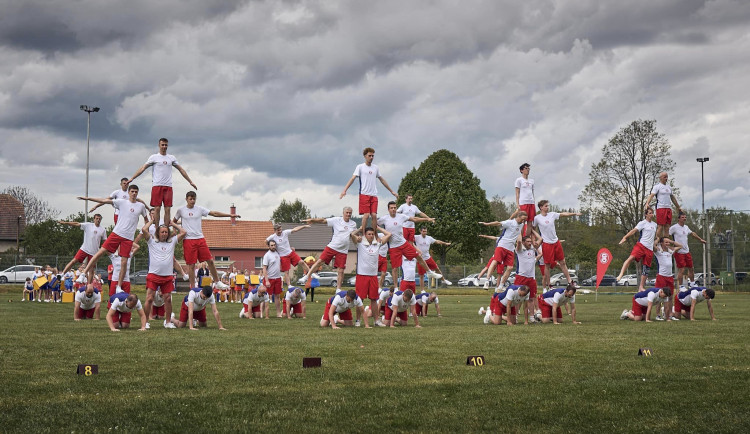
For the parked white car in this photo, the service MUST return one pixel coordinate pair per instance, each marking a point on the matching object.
(17, 274)
(628, 280)
(560, 280)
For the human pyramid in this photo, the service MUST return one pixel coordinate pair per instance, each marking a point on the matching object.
(393, 235)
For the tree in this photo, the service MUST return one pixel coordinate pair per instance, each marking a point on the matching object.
(445, 189)
(290, 212)
(630, 166)
(36, 209)
(50, 238)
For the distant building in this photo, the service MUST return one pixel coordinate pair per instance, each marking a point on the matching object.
(12, 221)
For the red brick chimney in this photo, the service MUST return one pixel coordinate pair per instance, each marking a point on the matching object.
(233, 210)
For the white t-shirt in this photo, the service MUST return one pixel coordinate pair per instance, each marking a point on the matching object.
(253, 299)
(512, 297)
(368, 178)
(127, 222)
(367, 258)
(526, 191)
(191, 220)
(680, 234)
(557, 296)
(664, 259)
(119, 194)
(663, 195)
(424, 298)
(272, 262)
(120, 305)
(93, 236)
(409, 269)
(648, 232)
(423, 244)
(383, 295)
(158, 299)
(409, 211)
(651, 295)
(194, 296)
(152, 228)
(116, 265)
(282, 242)
(526, 262)
(161, 171)
(341, 231)
(546, 225)
(88, 303)
(161, 256)
(510, 234)
(291, 300)
(687, 297)
(398, 304)
(339, 300)
(394, 225)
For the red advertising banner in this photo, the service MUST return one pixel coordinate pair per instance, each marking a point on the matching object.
(603, 259)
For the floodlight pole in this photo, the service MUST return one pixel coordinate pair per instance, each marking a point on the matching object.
(88, 110)
(706, 252)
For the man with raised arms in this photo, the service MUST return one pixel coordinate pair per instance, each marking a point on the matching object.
(551, 246)
(643, 251)
(643, 303)
(551, 301)
(506, 244)
(289, 258)
(195, 247)
(338, 247)
(663, 193)
(255, 304)
(398, 247)
(121, 307)
(122, 236)
(410, 210)
(682, 258)
(161, 175)
(339, 309)
(93, 236)
(120, 193)
(368, 248)
(194, 308)
(368, 175)
(525, 195)
(87, 302)
(423, 243)
(160, 266)
(526, 272)
(686, 300)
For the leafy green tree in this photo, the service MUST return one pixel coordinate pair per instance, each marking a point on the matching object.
(50, 238)
(290, 212)
(445, 189)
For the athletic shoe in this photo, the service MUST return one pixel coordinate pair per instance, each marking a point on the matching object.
(81, 278)
(148, 326)
(169, 325)
(674, 318)
(242, 311)
(46, 301)
(185, 277)
(367, 308)
(171, 317)
(379, 323)
(486, 285)
(221, 285)
(624, 314)
(659, 318)
(487, 318)
(481, 310)
(357, 324)
(447, 282)
(23, 299)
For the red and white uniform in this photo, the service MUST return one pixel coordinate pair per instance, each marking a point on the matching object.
(507, 242)
(158, 306)
(408, 271)
(682, 257)
(118, 194)
(282, 242)
(409, 211)
(551, 247)
(423, 244)
(423, 300)
(253, 300)
(191, 220)
(367, 269)
(368, 178)
(93, 236)
(400, 306)
(272, 262)
(643, 251)
(663, 194)
(343, 308)
(122, 311)
(161, 169)
(116, 265)
(556, 296)
(383, 258)
(525, 273)
(526, 190)
(127, 223)
(88, 303)
(161, 265)
(664, 279)
(199, 306)
(684, 299)
(294, 303)
(398, 247)
(513, 298)
(339, 244)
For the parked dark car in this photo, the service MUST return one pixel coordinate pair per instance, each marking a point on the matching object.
(607, 280)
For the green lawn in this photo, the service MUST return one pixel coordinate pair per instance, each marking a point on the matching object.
(540, 378)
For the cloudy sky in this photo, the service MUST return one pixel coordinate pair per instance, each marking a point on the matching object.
(271, 100)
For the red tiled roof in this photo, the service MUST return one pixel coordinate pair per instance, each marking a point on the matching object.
(10, 209)
(243, 235)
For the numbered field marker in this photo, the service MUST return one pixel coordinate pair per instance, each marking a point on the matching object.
(646, 352)
(87, 370)
(475, 360)
(311, 362)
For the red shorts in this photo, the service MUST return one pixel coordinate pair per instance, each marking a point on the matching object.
(678, 306)
(274, 286)
(421, 310)
(290, 260)
(403, 316)
(329, 253)
(247, 308)
(547, 309)
(163, 283)
(407, 284)
(552, 253)
(664, 282)
(122, 317)
(430, 264)
(663, 216)
(157, 310)
(200, 315)
(638, 310)
(366, 287)
(528, 281)
(196, 250)
(498, 268)
(344, 316)
(503, 257)
(396, 253)
(542, 268)
(161, 194)
(368, 205)
(530, 209)
(494, 302)
(501, 309)
(82, 256)
(294, 309)
(382, 264)
(115, 242)
(683, 260)
(409, 234)
(641, 254)
(85, 313)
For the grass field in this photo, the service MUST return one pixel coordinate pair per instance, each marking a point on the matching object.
(539, 378)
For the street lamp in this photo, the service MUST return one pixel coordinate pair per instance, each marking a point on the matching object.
(88, 110)
(706, 277)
